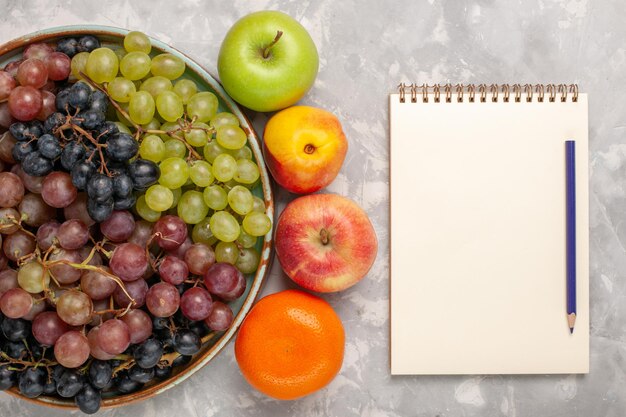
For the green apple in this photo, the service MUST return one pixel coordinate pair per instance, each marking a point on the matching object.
(267, 61)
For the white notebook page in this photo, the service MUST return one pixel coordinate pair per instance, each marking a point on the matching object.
(478, 237)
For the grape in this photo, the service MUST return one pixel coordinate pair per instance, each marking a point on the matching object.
(57, 189)
(201, 173)
(129, 261)
(141, 233)
(197, 136)
(155, 85)
(247, 172)
(224, 119)
(7, 142)
(257, 224)
(240, 200)
(73, 234)
(224, 167)
(35, 164)
(48, 327)
(185, 89)
(25, 103)
(137, 41)
(58, 65)
(74, 308)
(7, 83)
(159, 198)
(97, 285)
(148, 354)
(120, 89)
(139, 324)
(224, 226)
(48, 105)
(65, 274)
(78, 210)
(94, 347)
(141, 107)
(152, 148)
(34, 211)
(215, 197)
(199, 258)
(88, 400)
(113, 337)
(173, 270)
(15, 329)
(202, 233)
(242, 153)
(11, 190)
(177, 192)
(135, 65)
(31, 382)
(192, 208)
(8, 280)
(121, 147)
(143, 173)
(46, 233)
(32, 183)
(18, 245)
(221, 317)
(119, 227)
(69, 382)
(5, 115)
(154, 124)
(258, 204)
(186, 342)
(16, 303)
(79, 64)
(145, 211)
(32, 72)
(202, 105)
(9, 221)
(168, 66)
(180, 251)
(248, 261)
(175, 148)
(169, 106)
(33, 278)
(162, 299)
(237, 290)
(38, 307)
(102, 65)
(231, 137)
(88, 43)
(71, 349)
(170, 232)
(226, 252)
(100, 373)
(221, 278)
(136, 289)
(174, 172)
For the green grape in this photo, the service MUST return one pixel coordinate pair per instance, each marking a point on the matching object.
(154, 124)
(141, 107)
(135, 65)
(152, 148)
(247, 172)
(242, 153)
(177, 192)
(248, 261)
(256, 224)
(155, 85)
(185, 89)
(78, 63)
(102, 65)
(175, 148)
(201, 232)
(159, 198)
(168, 66)
(171, 129)
(246, 240)
(32, 277)
(122, 127)
(197, 135)
(174, 172)
(201, 173)
(215, 197)
(121, 117)
(224, 226)
(231, 137)
(203, 106)
(191, 207)
(240, 200)
(120, 52)
(226, 252)
(169, 105)
(258, 204)
(145, 211)
(120, 89)
(212, 150)
(137, 41)
(224, 167)
(224, 119)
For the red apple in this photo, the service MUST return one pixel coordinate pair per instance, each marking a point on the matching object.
(325, 242)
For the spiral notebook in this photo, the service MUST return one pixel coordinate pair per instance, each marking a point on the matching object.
(478, 241)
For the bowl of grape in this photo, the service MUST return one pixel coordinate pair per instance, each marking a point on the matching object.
(135, 217)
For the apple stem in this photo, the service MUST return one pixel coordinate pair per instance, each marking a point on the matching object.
(324, 236)
(266, 51)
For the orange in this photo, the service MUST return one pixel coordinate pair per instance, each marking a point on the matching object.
(290, 345)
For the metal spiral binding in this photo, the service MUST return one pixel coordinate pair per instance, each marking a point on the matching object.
(447, 93)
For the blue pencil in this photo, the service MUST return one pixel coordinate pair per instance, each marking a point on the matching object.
(570, 174)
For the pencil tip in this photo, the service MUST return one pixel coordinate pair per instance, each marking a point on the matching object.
(571, 330)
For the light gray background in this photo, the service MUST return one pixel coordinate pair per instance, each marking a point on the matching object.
(366, 48)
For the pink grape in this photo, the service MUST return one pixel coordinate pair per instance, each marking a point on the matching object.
(32, 72)
(17, 245)
(48, 105)
(32, 184)
(11, 189)
(25, 103)
(46, 233)
(140, 325)
(65, 274)
(97, 285)
(221, 317)
(5, 116)
(113, 337)
(100, 306)
(38, 50)
(78, 210)
(48, 327)
(137, 289)
(171, 232)
(38, 307)
(58, 65)
(8, 221)
(173, 270)
(180, 251)
(238, 290)
(199, 257)
(4, 261)
(119, 227)
(8, 280)
(16, 303)
(34, 211)
(72, 349)
(129, 261)
(75, 307)
(221, 278)
(196, 303)
(141, 233)
(162, 299)
(96, 352)
(73, 234)
(7, 84)
(57, 189)
(49, 86)
(12, 67)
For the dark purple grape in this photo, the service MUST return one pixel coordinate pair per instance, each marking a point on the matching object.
(71, 154)
(31, 381)
(21, 150)
(69, 383)
(36, 165)
(144, 173)
(69, 46)
(92, 119)
(100, 373)
(49, 146)
(149, 353)
(100, 210)
(87, 43)
(121, 147)
(81, 172)
(79, 95)
(100, 188)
